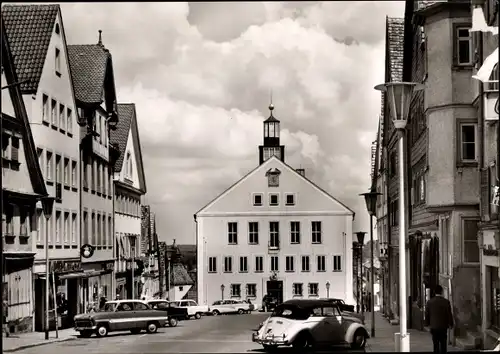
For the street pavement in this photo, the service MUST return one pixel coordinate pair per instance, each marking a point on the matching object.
(220, 334)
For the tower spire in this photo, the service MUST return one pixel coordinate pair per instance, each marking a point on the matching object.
(100, 37)
(271, 106)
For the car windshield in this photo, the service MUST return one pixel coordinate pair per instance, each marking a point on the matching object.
(291, 312)
(109, 307)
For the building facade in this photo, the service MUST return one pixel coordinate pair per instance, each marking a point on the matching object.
(93, 81)
(150, 277)
(37, 32)
(274, 232)
(22, 187)
(485, 98)
(433, 46)
(129, 188)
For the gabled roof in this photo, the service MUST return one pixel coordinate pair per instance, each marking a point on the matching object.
(29, 30)
(394, 45)
(263, 167)
(180, 276)
(32, 162)
(89, 65)
(127, 121)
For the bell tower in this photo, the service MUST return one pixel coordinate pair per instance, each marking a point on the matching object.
(271, 145)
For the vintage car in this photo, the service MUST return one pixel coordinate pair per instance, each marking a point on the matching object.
(229, 306)
(174, 312)
(194, 310)
(122, 315)
(310, 323)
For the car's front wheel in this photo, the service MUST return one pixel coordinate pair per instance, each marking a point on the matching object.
(85, 334)
(173, 322)
(240, 311)
(215, 313)
(102, 331)
(197, 316)
(359, 339)
(152, 327)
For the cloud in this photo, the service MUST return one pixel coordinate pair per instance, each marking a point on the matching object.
(201, 76)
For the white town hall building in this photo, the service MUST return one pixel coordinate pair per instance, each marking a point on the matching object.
(274, 232)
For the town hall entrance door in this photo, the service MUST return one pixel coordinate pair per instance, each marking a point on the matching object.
(275, 289)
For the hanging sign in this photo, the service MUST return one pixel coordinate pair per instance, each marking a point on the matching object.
(496, 196)
(87, 251)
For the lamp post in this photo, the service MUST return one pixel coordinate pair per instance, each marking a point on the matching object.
(355, 262)
(47, 205)
(327, 289)
(371, 206)
(361, 241)
(399, 95)
(222, 287)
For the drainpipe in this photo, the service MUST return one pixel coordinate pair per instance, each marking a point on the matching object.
(82, 289)
(198, 300)
(389, 236)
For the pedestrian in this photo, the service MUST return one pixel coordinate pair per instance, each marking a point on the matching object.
(102, 302)
(439, 318)
(117, 297)
(5, 313)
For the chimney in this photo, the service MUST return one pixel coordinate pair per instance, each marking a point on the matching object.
(301, 171)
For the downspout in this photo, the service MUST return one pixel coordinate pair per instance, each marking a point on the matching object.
(83, 291)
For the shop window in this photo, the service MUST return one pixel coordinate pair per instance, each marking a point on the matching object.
(495, 298)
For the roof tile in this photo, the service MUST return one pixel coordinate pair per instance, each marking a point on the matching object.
(395, 31)
(120, 135)
(88, 63)
(29, 30)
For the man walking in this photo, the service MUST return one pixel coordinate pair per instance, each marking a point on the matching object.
(439, 318)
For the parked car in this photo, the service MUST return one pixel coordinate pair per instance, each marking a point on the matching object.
(121, 315)
(305, 323)
(192, 307)
(174, 313)
(229, 306)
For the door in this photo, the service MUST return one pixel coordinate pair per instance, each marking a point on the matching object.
(275, 290)
(142, 314)
(123, 316)
(333, 326)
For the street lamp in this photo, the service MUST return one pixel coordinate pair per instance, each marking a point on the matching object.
(327, 289)
(399, 95)
(371, 206)
(361, 241)
(132, 268)
(48, 206)
(222, 287)
(356, 262)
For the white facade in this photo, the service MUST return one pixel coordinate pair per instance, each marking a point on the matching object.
(236, 205)
(128, 210)
(53, 120)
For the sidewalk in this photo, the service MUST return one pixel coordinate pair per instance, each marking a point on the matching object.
(420, 341)
(20, 341)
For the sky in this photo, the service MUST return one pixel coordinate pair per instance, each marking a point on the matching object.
(201, 75)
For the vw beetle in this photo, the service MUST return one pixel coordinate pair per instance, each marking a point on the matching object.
(310, 323)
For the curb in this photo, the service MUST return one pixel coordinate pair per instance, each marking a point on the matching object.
(38, 344)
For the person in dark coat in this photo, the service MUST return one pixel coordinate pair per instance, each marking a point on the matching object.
(439, 318)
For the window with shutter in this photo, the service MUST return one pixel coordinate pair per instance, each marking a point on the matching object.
(14, 152)
(485, 194)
